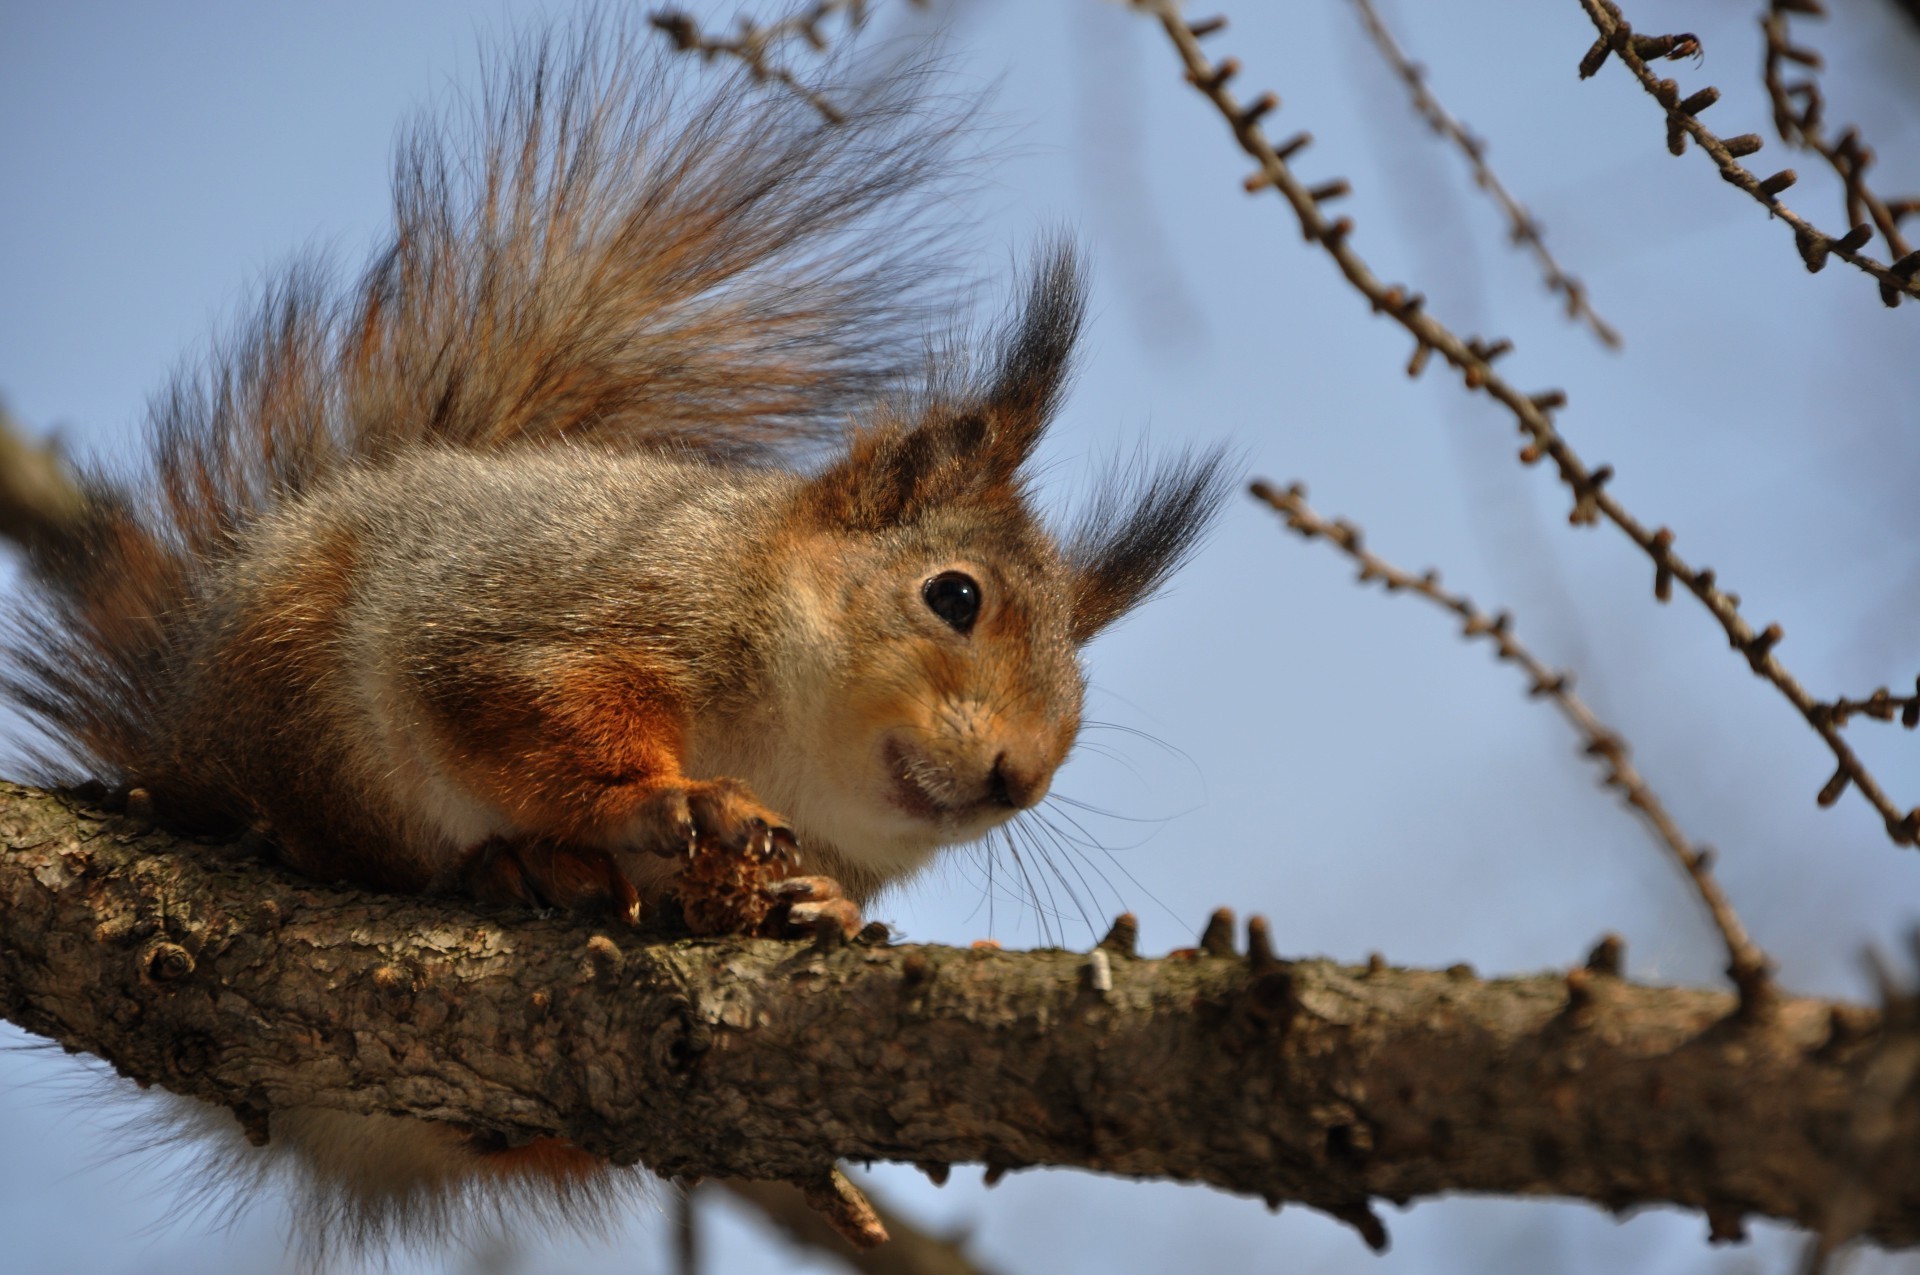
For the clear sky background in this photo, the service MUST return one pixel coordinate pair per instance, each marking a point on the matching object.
(1328, 756)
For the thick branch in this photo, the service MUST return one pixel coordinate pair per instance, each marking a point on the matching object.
(1302, 1081)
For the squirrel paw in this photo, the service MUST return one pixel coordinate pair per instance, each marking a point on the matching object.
(543, 874)
(808, 899)
(711, 814)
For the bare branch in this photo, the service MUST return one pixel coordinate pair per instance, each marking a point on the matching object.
(1474, 358)
(1617, 38)
(39, 500)
(1747, 965)
(1883, 706)
(1799, 111)
(1522, 229)
(1289, 1080)
(911, 1251)
(757, 41)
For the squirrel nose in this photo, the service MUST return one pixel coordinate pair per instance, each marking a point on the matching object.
(1015, 784)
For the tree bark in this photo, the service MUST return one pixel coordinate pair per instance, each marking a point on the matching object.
(194, 968)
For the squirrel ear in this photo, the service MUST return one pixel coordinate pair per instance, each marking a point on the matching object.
(1033, 352)
(970, 439)
(1137, 533)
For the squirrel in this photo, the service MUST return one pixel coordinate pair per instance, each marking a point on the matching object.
(617, 508)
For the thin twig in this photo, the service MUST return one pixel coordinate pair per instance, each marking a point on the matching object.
(1617, 38)
(1799, 112)
(1747, 965)
(1522, 228)
(911, 1251)
(756, 41)
(40, 501)
(686, 1232)
(1532, 412)
(1883, 706)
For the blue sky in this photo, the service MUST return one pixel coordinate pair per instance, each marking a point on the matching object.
(1328, 756)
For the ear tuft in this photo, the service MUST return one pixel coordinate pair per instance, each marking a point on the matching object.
(1034, 352)
(1138, 531)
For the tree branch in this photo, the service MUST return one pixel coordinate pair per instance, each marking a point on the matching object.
(909, 1251)
(1522, 228)
(1747, 965)
(1533, 413)
(1799, 116)
(1292, 1080)
(1899, 278)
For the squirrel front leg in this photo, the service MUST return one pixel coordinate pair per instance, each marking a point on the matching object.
(583, 754)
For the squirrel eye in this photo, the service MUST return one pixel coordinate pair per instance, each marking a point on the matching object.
(954, 596)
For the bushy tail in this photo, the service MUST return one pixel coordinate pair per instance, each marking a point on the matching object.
(619, 246)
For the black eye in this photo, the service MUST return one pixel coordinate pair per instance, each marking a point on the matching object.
(954, 596)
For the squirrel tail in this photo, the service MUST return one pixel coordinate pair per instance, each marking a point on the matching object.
(616, 246)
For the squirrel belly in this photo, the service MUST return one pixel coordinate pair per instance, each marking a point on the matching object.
(613, 507)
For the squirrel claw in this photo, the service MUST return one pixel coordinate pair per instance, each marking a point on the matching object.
(684, 818)
(804, 918)
(806, 889)
(808, 899)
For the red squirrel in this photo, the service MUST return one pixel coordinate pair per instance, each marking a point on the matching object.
(619, 506)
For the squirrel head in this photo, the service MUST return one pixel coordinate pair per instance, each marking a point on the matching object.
(943, 618)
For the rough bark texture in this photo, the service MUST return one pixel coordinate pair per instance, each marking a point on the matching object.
(1305, 1081)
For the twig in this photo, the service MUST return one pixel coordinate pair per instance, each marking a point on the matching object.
(757, 40)
(39, 500)
(1523, 229)
(1532, 412)
(1747, 965)
(686, 1232)
(1883, 706)
(1799, 112)
(911, 1251)
(1617, 38)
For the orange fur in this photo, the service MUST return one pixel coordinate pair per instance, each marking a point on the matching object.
(571, 747)
(598, 516)
(554, 1159)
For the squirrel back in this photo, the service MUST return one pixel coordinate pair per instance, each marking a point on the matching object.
(616, 509)
(615, 250)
